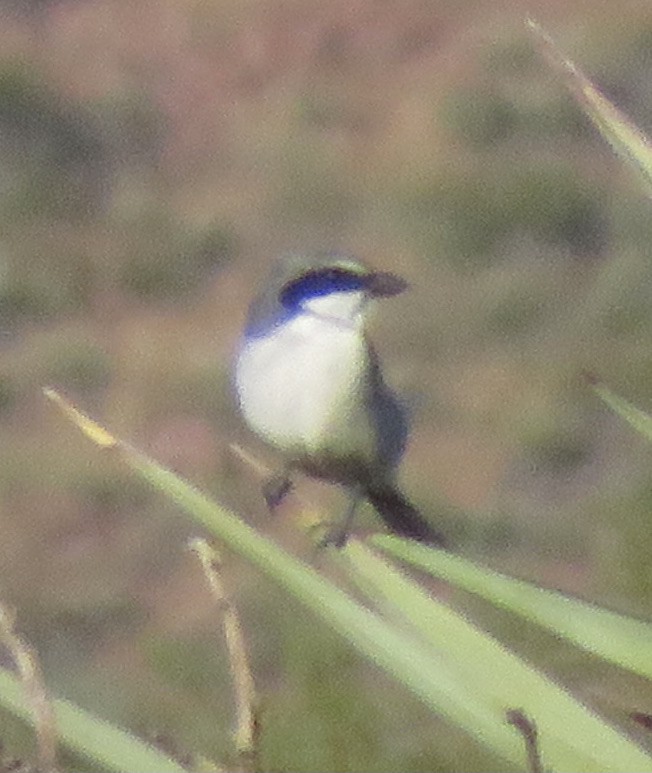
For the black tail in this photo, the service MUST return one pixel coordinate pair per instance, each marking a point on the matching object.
(402, 517)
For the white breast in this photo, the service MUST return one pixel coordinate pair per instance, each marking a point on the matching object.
(299, 386)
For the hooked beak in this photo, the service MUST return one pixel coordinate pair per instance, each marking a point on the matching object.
(384, 284)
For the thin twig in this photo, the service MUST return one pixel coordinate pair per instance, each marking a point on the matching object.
(30, 674)
(528, 730)
(260, 468)
(247, 726)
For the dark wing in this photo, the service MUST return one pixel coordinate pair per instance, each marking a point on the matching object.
(388, 416)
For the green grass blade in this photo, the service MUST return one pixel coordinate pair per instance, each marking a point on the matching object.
(635, 417)
(625, 138)
(91, 739)
(427, 671)
(619, 639)
(572, 737)
(408, 658)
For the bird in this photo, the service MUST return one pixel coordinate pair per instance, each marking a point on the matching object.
(309, 382)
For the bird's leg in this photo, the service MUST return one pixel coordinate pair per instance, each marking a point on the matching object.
(276, 488)
(338, 535)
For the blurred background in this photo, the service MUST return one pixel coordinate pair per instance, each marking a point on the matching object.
(154, 158)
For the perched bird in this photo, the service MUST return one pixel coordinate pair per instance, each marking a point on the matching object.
(309, 382)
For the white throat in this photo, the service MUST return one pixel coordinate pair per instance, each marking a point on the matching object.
(301, 386)
(344, 307)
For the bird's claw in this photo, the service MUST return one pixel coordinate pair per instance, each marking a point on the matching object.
(335, 537)
(275, 489)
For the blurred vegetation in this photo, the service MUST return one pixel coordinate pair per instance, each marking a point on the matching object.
(153, 162)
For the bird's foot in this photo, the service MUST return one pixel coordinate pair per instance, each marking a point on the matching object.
(336, 534)
(335, 537)
(330, 534)
(331, 538)
(275, 489)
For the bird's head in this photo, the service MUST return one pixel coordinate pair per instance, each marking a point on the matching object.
(327, 285)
